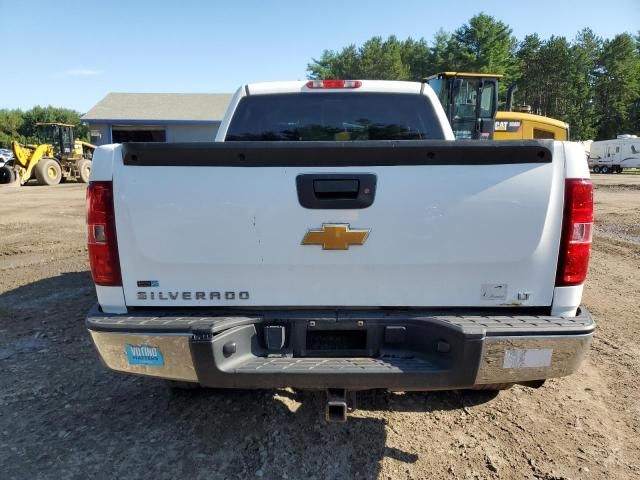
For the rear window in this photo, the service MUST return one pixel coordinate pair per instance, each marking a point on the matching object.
(335, 116)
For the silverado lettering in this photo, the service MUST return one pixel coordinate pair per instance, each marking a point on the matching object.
(195, 295)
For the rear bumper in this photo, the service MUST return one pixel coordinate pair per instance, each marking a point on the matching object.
(396, 350)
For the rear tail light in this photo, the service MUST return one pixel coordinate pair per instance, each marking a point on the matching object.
(334, 84)
(577, 229)
(101, 222)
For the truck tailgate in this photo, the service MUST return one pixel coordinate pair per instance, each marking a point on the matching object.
(474, 224)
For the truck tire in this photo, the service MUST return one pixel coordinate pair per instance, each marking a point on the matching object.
(7, 175)
(48, 172)
(84, 170)
(596, 169)
(605, 169)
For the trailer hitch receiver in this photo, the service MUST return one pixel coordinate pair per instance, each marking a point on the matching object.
(336, 408)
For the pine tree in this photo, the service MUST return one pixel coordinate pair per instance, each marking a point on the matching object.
(591, 84)
(581, 113)
(617, 87)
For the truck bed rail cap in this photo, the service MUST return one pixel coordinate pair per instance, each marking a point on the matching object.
(343, 154)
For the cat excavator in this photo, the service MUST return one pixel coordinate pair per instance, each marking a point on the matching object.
(58, 157)
(470, 101)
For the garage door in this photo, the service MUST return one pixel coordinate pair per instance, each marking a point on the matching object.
(137, 133)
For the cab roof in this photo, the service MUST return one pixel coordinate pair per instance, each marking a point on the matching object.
(464, 75)
(301, 86)
(56, 124)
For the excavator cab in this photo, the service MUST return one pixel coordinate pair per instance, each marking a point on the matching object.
(470, 101)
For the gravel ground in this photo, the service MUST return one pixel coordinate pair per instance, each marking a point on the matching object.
(62, 415)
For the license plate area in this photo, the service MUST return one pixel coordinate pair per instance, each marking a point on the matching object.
(336, 343)
(364, 334)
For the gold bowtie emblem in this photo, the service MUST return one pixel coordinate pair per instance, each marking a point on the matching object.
(335, 236)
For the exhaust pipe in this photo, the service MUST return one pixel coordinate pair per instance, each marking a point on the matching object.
(513, 88)
(336, 408)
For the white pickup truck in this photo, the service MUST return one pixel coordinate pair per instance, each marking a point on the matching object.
(335, 237)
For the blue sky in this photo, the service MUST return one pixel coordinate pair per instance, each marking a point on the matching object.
(72, 53)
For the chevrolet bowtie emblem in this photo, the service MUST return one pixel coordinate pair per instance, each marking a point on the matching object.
(335, 236)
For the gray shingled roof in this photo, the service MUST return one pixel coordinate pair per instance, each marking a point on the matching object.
(189, 107)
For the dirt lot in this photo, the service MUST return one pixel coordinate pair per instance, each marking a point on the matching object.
(62, 415)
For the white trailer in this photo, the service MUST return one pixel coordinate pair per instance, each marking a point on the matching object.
(613, 156)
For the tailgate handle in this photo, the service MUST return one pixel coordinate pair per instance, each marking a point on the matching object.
(336, 190)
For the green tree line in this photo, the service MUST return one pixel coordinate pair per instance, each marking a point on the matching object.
(589, 82)
(21, 125)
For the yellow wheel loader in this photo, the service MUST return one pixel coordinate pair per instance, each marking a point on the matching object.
(470, 101)
(58, 157)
